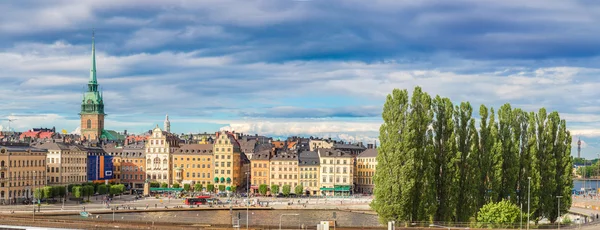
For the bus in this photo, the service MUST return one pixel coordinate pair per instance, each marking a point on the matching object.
(197, 200)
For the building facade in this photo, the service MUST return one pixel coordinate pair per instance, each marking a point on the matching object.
(22, 170)
(284, 170)
(259, 167)
(159, 147)
(337, 175)
(309, 166)
(316, 144)
(133, 165)
(366, 163)
(92, 106)
(65, 164)
(227, 161)
(192, 164)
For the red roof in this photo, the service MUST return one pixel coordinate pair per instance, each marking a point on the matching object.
(47, 135)
(31, 134)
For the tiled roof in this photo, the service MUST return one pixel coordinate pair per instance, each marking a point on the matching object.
(20, 147)
(368, 153)
(261, 155)
(333, 153)
(202, 149)
(308, 158)
(247, 146)
(285, 157)
(347, 146)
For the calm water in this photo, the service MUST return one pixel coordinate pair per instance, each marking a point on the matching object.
(578, 184)
(257, 217)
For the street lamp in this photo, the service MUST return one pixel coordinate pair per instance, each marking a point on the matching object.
(247, 197)
(528, 196)
(288, 214)
(558, 198)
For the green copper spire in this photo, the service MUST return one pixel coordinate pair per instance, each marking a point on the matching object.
(93, 69)
(92, 99)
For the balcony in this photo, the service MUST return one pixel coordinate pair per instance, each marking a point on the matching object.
(3, 168)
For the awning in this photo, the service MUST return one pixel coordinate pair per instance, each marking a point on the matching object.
(166, 189)
(326, 189)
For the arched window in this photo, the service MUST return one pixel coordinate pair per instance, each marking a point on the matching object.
(1, 163)
(89, 124)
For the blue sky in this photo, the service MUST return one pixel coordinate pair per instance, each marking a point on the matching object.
(287, 67)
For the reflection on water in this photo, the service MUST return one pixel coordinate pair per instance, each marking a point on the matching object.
(257, 217)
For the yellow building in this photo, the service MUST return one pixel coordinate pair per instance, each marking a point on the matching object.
(366, 162)
(260, 170)
(309, 166)
(66, 164)
(227, 161)
(337, 169)
(22, 170)
(315, 144)
(133, 165)
(192, 164)
(284, 170)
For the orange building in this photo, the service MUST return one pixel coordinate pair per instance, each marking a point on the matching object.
(192, 163)
(133, 165)
(260, 170)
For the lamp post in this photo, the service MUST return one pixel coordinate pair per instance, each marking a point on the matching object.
(288, 214)
(528, 196)
(558, 198)
(247, 197)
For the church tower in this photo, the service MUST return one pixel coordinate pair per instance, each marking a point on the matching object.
(92, 106)
(167, 124)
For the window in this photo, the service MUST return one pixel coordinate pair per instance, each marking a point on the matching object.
(89, 124)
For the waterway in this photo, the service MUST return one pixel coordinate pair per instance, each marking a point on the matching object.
(256, 217)
(589, 184)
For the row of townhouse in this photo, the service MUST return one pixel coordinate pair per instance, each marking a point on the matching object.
(326, 171)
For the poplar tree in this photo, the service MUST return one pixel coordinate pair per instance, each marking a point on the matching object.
(463, 162)
(508, 151)
(444, 149)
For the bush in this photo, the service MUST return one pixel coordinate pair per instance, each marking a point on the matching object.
(221, 188)
(102, 189)
(186, 187)
(233, 188)
(176, 185)
(566, 220)
(499, 214)
(210, 187)
(77, 191)
(164, 185)
(154, 184)
(262, 189)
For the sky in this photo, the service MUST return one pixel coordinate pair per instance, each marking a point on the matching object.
(295, 67)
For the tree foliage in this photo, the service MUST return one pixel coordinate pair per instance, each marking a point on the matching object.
(210, 187)
(102, 189)
(186, 187)
(298, 189)
(198, 187)
(262, 189)
(437, 162)
(77, 192)
(164, 185)
(499, 214)
(221, 188)
(274, 189)
(286, 189)
(176, 185)
(154, 184)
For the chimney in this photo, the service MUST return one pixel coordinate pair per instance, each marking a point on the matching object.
(369, 146)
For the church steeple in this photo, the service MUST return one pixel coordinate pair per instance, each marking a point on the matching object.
(93, 84)
(167, 124)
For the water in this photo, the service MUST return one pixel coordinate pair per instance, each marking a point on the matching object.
(590, 184)
(257, 217)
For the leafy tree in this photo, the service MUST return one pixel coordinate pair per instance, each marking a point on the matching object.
(154, 184)
(61, 191)
(176, 185)
(198, 187)
(286, 190)
(444, 149)
(78, 192)
(48, 192)
(234, 188)
(499, 214)
(102, 189)
(70, 187)
(274, 189)
(299, 189)
(164, 185)
(38, 193)
(186, 187)
(89, 191)
(210, 187)
(221, 188)
(262, 189)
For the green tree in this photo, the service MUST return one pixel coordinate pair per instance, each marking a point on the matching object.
(102, 189)
(510, 162)
(444, 152)
(38, 193)
(48, 192)
(78, 192)
(286, 189)
(221, 188)
(274, 189)
(499, 215)
(89, 191)
(299, 189)
(392, 153)
(154, 184)
(465, 162)
(262, 189)
(61, 191)
(186, 187)
(198, 187)
(233, 188)
(210, 187)
(164, 185)
(176, 185)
